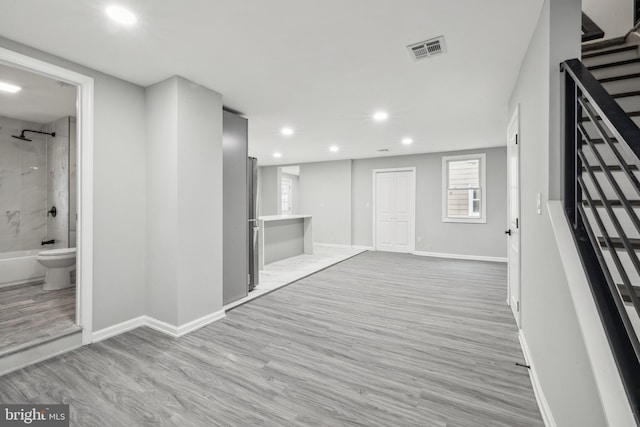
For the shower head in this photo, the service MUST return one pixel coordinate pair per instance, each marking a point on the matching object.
(23, 138)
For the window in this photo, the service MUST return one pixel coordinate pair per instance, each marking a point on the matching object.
(285, 188)
(463, 193)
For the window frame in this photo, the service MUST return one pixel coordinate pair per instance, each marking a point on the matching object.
(283, 182)
(482, 157)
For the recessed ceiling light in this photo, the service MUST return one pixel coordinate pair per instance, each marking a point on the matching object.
(407, 141)
(334, 148)
(286, 131)
(277, 155)
(380, 116)
(121, 15)
(8, 87)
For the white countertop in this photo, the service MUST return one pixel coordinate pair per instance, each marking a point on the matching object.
(282, 217)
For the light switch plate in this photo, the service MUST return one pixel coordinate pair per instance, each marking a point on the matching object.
(539, 203)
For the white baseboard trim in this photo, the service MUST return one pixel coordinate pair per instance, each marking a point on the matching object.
(178, 331)
(31, 281)
(363, 248)
(458, 256)
(545, 411)
(333, 245)
(118, 329)
(201, 322)
(158, 325)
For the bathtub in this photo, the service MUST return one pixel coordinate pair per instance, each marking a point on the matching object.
(17, 268)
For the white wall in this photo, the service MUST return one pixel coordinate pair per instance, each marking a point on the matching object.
(325, 193)
(200, 198)
(615, 17)
(162, 198)
(184, 189)
(548, 320)
(119, 187)
(268, 190)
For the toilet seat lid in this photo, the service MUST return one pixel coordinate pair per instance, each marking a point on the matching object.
(58, 252)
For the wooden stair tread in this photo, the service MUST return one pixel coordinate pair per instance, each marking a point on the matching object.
(617, 242)
(624, 292)
(607, 51)
(614, 168)
(604, 44)
(618, 78)
(626, 94)
(629, 113)
(614, 64)
(597, 141)
(612, 203)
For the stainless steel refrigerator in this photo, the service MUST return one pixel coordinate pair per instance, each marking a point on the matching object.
(252, 193)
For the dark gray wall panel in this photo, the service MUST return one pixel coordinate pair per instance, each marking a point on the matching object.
(235, 258)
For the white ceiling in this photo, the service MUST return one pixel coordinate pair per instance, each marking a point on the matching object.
(322, 67)
(41, 100)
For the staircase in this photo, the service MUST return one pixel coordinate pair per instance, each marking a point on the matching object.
(616, 65)
(602, 190)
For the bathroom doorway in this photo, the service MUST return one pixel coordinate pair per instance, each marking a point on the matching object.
(46, 150)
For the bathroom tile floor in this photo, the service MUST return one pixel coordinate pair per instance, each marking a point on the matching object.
(280, 273)
(29, 315)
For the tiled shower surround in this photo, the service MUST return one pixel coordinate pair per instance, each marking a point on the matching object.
(33, 178)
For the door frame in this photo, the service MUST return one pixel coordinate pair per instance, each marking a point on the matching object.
(412, 210)
(85, 144)
(514, 123)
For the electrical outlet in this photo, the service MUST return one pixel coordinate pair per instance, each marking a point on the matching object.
(539, 204)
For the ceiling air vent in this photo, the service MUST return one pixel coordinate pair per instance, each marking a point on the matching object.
(383, 150)
(427, 49)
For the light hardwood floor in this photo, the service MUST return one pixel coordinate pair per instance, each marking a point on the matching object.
(378, 340)
(29, 315)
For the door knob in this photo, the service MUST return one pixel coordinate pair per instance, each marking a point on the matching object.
(508, 232)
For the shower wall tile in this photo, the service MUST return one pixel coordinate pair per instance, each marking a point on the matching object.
(73, 183)
(10, 197)
(23, 186)
(58, 182)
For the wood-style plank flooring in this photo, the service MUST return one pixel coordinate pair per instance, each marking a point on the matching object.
(29, 315)
(378, 340)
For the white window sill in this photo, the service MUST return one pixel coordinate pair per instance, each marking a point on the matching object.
(466, 220)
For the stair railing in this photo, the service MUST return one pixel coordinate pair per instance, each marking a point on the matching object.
(593, 118)
(590, 30)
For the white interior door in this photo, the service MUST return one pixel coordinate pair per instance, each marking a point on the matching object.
(394, 211)
(513, 170)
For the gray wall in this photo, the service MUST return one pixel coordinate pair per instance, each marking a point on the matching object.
(199, 201)
(549, 322)
(162, 195)
(118, 193)
(433, 235)
(283, 239)
(268, 190)
(339, 195)
(325, 193)
(184, 187)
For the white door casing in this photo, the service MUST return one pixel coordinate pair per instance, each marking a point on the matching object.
(394, 210)
(84, 126)
(513, 215)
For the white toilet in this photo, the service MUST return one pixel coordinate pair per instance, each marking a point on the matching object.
(59, 263)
